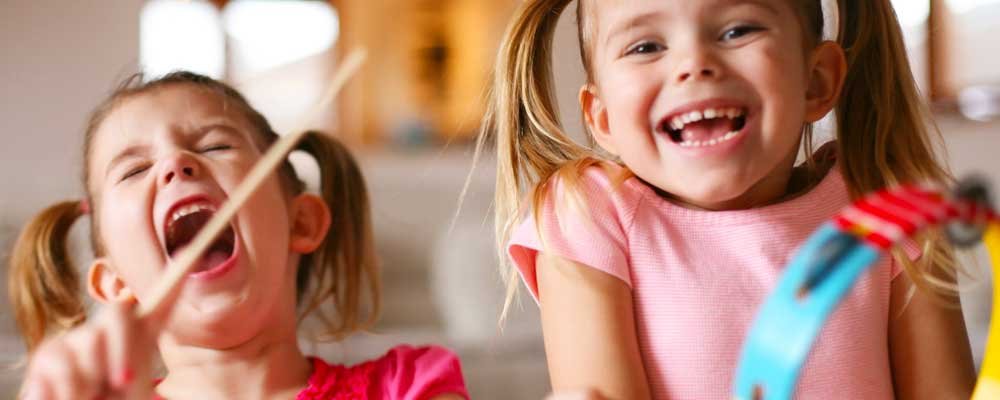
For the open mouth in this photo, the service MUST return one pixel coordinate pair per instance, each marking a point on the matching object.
(183, 225)
(707, 127)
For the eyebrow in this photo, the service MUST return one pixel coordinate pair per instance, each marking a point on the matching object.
(760, 3)
(222, 126)
(129, 152)
(623, 26)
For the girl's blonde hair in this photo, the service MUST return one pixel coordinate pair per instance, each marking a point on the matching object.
(884, 137)
(44, 285)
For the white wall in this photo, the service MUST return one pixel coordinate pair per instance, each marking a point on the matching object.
(59, 58)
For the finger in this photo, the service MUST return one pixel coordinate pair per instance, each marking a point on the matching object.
(122, 334)
(88, 360)
(142, 386)
(37, 388)
(54, 367)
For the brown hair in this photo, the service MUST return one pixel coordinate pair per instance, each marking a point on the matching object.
(884, 137)
(44, 286)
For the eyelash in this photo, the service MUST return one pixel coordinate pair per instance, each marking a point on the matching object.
(134, 172)
(218, 147)
(637, 48)
(139, 170)
(742, 29)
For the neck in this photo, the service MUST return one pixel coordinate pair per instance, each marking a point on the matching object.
(783, 184)
(269, 365)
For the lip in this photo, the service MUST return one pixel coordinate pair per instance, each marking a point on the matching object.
(698, 106)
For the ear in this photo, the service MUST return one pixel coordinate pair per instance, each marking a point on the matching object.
(104, 284)
(826, 78)
(595, 115)
(310, 223)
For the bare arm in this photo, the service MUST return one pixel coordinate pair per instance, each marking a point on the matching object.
(928, 346)
(589, 330)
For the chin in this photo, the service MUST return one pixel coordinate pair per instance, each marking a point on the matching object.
(214, 334)
(215, 324)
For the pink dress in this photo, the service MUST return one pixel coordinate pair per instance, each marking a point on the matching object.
(698, 278)
(404, 373)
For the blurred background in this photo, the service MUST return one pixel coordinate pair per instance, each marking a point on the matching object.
(411, 116)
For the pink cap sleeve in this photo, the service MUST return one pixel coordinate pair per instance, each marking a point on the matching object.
(912, 251)
(419, 373)
(595, 237)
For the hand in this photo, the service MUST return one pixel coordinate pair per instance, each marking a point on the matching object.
(589, 394)
(109, 357)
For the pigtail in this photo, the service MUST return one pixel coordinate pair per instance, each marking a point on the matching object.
(344, 267)
(43, 284)
(522, 118)
(885, 134)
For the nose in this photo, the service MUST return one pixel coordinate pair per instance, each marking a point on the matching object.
(179, 166)
(700, 64)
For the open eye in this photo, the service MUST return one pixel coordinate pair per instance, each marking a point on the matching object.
(646, 47)
(739, 31)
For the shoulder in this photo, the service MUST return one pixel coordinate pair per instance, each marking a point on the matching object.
(604, 188)
(404, 372)
(586, 217)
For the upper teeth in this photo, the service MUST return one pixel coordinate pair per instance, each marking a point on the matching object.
(190, 209)
(678, 122)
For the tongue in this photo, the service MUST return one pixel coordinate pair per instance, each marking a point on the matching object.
(213, 258)
(707, 129)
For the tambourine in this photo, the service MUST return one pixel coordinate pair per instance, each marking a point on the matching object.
(825, 268)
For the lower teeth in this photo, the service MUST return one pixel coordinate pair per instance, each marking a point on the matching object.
(712, 142)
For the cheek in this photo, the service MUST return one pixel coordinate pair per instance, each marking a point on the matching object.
(265, 225)
(129, 240)
(780, 80)
(629, 96)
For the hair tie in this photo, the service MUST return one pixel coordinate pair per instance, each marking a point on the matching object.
(84, 206)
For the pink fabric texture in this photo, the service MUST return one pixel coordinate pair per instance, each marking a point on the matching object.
(404, 373)
(698, 278)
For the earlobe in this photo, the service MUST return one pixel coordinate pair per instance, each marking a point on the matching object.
(104, 284)
(595, 116)
(826, 79)
(310, 223)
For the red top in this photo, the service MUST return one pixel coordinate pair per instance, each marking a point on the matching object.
(404, 373)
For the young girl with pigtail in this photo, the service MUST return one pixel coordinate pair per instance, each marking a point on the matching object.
(159, 159)
(650, 253)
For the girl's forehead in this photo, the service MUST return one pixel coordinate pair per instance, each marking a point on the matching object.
(179, 107)
(176, 105)
(609, 11)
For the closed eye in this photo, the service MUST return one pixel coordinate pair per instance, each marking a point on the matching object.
(218, 147)
(133, 172)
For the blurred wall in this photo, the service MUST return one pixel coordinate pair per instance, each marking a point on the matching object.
(59, 59)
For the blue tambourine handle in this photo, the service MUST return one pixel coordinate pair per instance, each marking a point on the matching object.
(781, 337)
